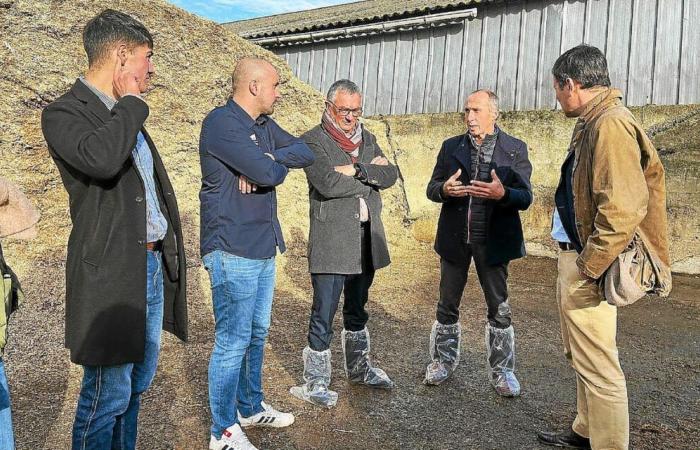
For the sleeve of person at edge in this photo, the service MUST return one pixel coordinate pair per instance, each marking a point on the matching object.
(290, 151)
(328, 182)
(518, 192)
(620, 193)
(437, 179)
(381, 177)
(99, 153)
(239, 152)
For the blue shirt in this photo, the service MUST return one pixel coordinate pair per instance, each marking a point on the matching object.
(156, 224)
(558, 231)
(233, 144)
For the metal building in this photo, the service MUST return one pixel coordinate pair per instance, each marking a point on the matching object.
(416, 56)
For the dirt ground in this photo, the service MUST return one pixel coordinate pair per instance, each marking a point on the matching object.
(658, 341)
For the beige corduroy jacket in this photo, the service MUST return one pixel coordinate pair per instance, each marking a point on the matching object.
(619, 188)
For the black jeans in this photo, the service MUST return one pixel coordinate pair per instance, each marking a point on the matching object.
(493, 280)
(327, 289)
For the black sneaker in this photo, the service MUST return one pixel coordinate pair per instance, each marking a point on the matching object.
(567, 439)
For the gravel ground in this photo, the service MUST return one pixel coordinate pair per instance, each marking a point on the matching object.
(658, 341)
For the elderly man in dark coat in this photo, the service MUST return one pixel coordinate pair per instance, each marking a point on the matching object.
(347, 243)
(482, 179)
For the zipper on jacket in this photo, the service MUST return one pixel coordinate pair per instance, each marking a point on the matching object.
(469, 207)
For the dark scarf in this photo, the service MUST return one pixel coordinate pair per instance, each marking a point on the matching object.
(349, 145)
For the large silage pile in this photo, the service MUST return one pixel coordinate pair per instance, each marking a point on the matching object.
(41, 54)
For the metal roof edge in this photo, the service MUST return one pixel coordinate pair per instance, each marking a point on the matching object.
(414, 12)
(339, 33)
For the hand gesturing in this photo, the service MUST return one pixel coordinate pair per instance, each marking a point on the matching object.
(453, 187)
(492, 191)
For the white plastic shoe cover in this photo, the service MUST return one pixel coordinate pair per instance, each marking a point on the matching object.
(444, 352)
(500, 360)
(317, 377)
(358, 365)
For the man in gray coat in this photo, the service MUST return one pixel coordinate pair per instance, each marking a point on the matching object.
(347, 243)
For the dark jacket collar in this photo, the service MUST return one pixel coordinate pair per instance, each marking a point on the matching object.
(94, 104)
(243, 116)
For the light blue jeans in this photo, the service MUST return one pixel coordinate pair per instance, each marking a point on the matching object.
(110, 396)
(7, 441)
(242, 291)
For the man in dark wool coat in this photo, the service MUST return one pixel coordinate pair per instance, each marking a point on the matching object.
(482, 180)
(125, 272)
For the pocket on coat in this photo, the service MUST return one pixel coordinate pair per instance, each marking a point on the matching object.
(319, 211)
(343, 210)
(93, 249)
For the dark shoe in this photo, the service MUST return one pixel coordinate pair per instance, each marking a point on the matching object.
(568, 439)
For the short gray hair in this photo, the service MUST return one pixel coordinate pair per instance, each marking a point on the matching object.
(344, 85)
(493, 100)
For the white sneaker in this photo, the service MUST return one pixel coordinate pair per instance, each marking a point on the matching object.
(268, 417)
(233, 438)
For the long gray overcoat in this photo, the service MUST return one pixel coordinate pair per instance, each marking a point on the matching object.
(334, 210)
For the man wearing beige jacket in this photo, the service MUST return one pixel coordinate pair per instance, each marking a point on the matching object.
(611, 195)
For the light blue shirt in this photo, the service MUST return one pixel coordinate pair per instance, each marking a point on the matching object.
(558, 231)
(156, 225)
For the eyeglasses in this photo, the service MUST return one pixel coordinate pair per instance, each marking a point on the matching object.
(346, 112)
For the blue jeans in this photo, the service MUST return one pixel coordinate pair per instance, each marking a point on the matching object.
(242, 292)
(7, 441)
(110, 396)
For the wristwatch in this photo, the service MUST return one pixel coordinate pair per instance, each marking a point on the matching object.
(357, 170)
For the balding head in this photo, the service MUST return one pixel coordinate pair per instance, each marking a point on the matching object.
(249, 69)
(255, 86)
(481, 113)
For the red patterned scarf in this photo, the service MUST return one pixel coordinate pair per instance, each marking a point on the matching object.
(349, 145)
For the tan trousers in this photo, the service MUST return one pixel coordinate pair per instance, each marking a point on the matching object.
(588, 329)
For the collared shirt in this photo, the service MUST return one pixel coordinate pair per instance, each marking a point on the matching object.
(231, 145)
(156, 224)
(564, 217)
(558, 232)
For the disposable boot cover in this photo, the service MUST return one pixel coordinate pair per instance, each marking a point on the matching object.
(500, 358)
(444, 352)
(358, 365)
(317, 377)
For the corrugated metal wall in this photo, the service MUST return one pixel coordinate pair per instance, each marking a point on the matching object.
(652, 46)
